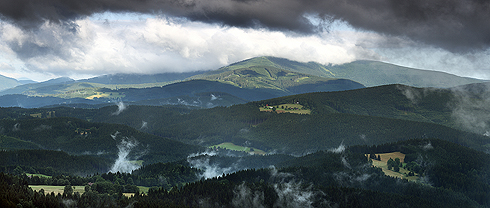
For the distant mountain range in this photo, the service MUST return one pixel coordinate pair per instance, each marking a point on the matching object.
(7, 82)
(249, 80)
(368, 73)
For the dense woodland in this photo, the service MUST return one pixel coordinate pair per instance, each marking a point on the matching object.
(343, 179)
(314, 160)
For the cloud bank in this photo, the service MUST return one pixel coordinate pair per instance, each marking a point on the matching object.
(60, 37)
(157, 45)
(456, 25)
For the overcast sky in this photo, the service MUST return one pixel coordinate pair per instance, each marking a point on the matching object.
(43, 39)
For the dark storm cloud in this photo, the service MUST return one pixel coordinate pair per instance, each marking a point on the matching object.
(455, 25)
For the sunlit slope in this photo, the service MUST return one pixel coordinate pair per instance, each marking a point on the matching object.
(269, 77)
(368, 73)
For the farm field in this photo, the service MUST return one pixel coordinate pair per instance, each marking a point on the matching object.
(287, 108)
(403, 173)
(231, 146)
(57, 189)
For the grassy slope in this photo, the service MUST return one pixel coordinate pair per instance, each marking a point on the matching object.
(276, 78)
(368, 73)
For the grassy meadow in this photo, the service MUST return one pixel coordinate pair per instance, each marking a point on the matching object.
(403, 173)
(57, 189)
(231, 146)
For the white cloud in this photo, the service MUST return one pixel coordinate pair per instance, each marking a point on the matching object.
(95, 46)
(156, 45)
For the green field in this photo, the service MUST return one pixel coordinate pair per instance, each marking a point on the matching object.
(57, 189)
(231, 146)
(287, 108)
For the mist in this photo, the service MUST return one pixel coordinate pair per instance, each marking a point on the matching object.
(120, 108)
(202, 161)
(123, 163)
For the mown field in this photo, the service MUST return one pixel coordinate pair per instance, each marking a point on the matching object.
(231, 146)
(56, 189)
(403, 173)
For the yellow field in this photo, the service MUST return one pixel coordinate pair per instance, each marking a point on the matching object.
(231, 146)
(384, 166)
(97, 95)
(57, 189)
(386, 156)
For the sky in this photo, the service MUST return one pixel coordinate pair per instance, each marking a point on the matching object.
(45, 39)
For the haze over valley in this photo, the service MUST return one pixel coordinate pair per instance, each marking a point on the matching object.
(244, 103)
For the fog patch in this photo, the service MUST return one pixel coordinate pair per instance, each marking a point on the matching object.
(16, 127)
(120, 108)
(412, 94)
(202, 161)
(244, 197)
(213, 97)
(123, 163)
(276, 174)
(208, 152)
(144, 125)
(428, 146)
(115, 135)
(210, 171)
(293, 195)
(339, 149)
(471, 108)
(69, 203)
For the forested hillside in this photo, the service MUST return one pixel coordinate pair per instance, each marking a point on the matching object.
(341, 178)
(77, 136)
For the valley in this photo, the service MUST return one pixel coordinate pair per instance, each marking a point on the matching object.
(265, 130)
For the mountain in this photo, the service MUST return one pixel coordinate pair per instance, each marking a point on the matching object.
(368, 73)
(113, 79)
(262, 77)
(7, 82)
(24, 89)
(23, 81)
(25, 101)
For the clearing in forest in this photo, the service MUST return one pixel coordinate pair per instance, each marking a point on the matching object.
(403, 173)
(231, 146)
(286, 108)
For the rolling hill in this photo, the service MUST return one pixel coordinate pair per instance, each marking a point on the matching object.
(368, 73)
(79, 137)
(7, 82)
(268, 77)
(128, 79)
(239, 86)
